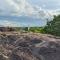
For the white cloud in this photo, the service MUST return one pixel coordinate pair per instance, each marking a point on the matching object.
(15, 7)
(22, 7)
(9, 23)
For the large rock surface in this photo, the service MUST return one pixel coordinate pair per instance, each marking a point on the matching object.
(29, 46)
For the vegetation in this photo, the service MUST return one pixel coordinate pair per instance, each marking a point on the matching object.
(53, 27)
(36, 29)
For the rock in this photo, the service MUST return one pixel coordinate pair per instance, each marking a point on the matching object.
(21, 53)
(28, 46)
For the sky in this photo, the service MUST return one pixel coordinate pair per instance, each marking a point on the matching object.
(24, 13)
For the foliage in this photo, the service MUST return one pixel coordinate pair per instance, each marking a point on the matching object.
(53, 27)
(36, 29)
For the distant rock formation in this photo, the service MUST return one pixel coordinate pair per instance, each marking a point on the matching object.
(2, 29)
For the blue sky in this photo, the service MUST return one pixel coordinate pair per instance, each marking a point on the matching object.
(27, 12)
(47, 4)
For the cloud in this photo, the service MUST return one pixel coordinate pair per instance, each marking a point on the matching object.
(20, 7)
(23, 7)
(8, 23)
(17, 7)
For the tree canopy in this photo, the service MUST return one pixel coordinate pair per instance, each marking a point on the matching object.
(53, 27)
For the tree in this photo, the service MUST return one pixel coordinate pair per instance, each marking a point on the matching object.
(53, 27)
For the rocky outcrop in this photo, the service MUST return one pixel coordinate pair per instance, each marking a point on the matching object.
(29, 46)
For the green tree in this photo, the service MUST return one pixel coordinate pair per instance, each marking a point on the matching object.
(53, 27)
